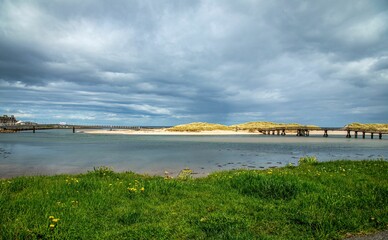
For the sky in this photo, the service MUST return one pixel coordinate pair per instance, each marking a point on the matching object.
(168, 62)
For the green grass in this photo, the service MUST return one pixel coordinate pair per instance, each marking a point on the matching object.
(308, 160)
(311, 201)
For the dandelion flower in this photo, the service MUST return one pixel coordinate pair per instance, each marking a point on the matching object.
(55, 220)
(142, 189)
(51, 217)
(52, 226)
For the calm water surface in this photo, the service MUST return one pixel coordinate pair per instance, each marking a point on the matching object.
(61, 151)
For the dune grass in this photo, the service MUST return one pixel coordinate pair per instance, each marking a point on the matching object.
(199, 126)
(250, 126)
(312, 201)
(266, 125)
(368, 127)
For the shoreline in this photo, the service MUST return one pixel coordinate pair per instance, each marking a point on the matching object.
(164, 131)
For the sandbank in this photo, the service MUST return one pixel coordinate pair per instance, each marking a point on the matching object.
(164, 131)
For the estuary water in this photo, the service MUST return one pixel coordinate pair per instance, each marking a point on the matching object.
(60, 151)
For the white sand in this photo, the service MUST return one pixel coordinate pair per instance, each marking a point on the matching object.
(216, 132)
(329, 132)
(163, 132)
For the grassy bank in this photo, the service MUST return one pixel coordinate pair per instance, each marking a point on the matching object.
(311, 201)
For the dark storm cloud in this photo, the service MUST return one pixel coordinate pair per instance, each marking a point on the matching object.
(168, 62)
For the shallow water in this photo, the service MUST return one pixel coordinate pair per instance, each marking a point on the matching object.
(60, 151)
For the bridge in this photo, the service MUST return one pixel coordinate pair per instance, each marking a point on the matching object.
(305, 131)
(35, 127)
(299, 130)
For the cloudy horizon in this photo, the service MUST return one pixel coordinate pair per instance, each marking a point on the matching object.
(172, 62)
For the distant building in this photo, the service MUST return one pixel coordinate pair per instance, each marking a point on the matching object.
(26, 123)
(6, 120)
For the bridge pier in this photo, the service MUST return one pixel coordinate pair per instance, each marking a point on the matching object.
(348, 134)
(302, 133)
(363, 135)
(380, 136)
(371, 135)
(278, 132)
(355, 134)
(325, 133)
(284, 132)
(33, 129)
(73, 129)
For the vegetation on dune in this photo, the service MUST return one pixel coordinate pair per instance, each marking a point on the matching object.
(266, 125)
(311, 201)
(198, 126)
(368, 127)
(250, 125)
(253, 126)
(202, 126)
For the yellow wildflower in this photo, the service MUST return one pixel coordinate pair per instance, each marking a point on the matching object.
(55, 220)
(142, 189)
(51, 217)
(52, 226)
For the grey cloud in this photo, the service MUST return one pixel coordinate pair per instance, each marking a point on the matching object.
(178, 61)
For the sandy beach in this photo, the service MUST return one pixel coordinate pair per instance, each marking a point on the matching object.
(162, 132)
(215, 132)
